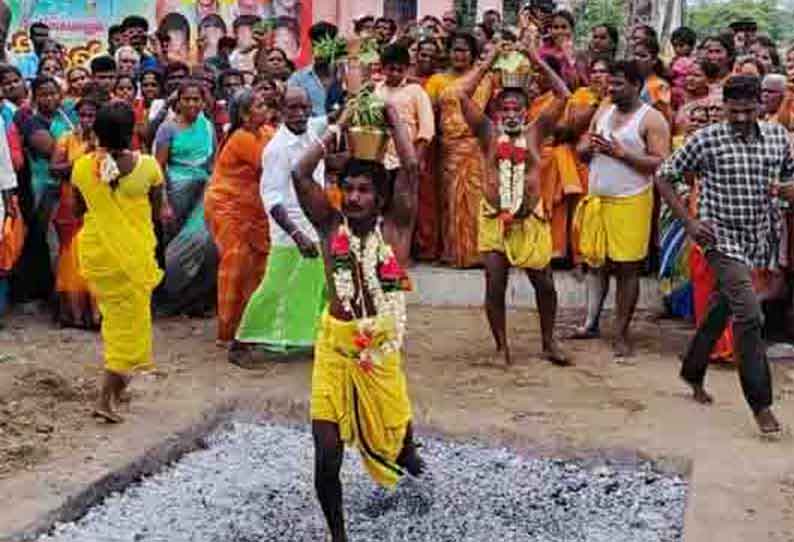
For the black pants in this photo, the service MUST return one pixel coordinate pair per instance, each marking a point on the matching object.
(734, 297)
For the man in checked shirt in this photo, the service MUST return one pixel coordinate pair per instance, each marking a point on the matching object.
(745, 166)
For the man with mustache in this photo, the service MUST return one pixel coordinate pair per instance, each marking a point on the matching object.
(627, 142)
(359, 390)
(744, 166)
(514, 230)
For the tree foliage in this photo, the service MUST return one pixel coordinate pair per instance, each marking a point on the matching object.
(774, 18)
(595, 12)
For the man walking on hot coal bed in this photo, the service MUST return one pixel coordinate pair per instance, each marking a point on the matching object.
(359, 390)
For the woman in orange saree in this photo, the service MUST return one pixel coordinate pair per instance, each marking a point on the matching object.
(461, 161)
(567, 174)
(558, 175)
(234, 211)
(75, 305)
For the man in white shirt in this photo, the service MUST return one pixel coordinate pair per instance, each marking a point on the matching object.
(281, 315)
(8, 182)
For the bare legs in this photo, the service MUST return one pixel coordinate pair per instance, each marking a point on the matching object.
(627, 277)
(546, 300)
(113, 385)
(328, 454)
(627, 293)
(496, 274)
(597, 286)
(497, 269)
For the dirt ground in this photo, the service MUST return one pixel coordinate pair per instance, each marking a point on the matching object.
(742, 488)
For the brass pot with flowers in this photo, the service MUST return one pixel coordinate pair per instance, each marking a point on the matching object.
(367, 134)
(513, 70)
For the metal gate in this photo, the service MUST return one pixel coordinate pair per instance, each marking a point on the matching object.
(467, 12)
(401, 11)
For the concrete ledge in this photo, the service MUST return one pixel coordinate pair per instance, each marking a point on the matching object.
(171, 449)
(444, 287)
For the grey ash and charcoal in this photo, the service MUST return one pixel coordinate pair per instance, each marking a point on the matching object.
(254, 483)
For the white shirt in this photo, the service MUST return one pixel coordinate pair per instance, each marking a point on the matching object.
(612, 177)
(276, 187)
(8, 178)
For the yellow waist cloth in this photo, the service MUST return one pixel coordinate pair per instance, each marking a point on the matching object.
(526, 243)
(614, 228)
(371, 406)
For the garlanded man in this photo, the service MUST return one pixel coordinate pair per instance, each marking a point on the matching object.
(514, 230)
(359, 391)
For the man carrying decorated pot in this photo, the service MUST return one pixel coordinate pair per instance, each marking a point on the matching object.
(513, 231)
(359, 392)
(416, 112)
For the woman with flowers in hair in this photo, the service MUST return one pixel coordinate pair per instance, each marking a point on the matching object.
(117, 190)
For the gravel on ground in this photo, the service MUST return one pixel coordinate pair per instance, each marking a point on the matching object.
(254, 482)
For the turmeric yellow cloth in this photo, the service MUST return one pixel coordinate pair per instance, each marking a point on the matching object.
(371, 408)
(527, 243)
(116, 253)
(614, 228)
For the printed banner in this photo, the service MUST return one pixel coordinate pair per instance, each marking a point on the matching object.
(82, 25)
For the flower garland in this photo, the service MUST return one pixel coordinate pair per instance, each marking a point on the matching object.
(372, 264)
(105, 167)
(511, 156)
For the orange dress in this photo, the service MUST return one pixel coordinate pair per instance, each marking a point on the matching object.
(238, 223)
(563, 177)
(657, 94)
(76, 306)
(462, 169)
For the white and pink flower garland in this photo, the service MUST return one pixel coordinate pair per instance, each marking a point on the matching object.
(370, 262)
(511, 159)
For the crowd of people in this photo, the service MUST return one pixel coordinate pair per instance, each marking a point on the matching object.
(236, 186)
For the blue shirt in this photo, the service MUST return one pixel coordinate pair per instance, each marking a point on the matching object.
(149, 62)
(28, 64)
(310, 82)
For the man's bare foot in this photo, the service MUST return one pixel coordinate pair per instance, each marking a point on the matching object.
(246, 357)
(503, 352)
(409, 460)
(622, 349)
(584, 334)
(553, 353)
(767, 423)
(701, 396)
(106, 413)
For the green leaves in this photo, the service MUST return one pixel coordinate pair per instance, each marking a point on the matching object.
(368, 52)
(512, 62)
(328, 49)
(367, 109)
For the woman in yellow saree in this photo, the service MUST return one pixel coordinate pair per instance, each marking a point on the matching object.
(116, 190)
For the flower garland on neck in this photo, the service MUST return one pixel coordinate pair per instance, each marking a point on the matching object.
(511, 158)
(370, 262)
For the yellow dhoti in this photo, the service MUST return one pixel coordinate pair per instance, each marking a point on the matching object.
(370, 405)
(616, 229)
(526, 243)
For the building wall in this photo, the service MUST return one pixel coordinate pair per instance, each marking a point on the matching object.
(342, 12)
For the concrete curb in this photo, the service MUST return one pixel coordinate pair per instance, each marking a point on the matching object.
(150, 462)
(444, 287)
